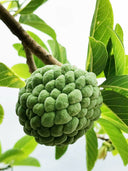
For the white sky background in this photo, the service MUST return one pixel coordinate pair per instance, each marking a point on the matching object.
(71, 20)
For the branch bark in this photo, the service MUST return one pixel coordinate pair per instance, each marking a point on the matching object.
(17, 30)
(30, 60)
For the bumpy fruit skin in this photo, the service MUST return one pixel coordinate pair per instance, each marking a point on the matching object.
(59, 104)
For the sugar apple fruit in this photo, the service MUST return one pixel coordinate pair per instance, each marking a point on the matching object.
(59, 104)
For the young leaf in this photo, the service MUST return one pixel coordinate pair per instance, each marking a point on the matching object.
(117, 139)
(1, 113)
(8, 78)
(102, 152)
(117, 103)
(60, 151)
(26, 144)
(91, 149)
(32, 6)
(103, 17)
(30, 161)
(109, 115)
(119, 32)
(117, 83)
(36, 22)
(11, 155)
(22, 70)
(99, 56)
(119, 54)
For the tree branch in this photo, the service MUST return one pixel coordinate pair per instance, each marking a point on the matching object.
(17, 30)
(30, 60)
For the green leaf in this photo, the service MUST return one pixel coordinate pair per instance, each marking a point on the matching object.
(99, 56)
(17, 46)
(91, 149)
(118, 51)
(1, 114)
(101, 75)
(11, 155)
(38, 62)
(22, 70)
(20, 49)
(126, 66)
(8, 78)
(58, 51)
(119, 32)
(103, 17)
(38, 40)
(36, 22)
(26, 144)
(117, 103)
(109, 47)
(54, 46)
(117, 83)
(117, 139)
(32, 6)
(109, 115)
(0, 148)
(63, 54)
(60, 151)
(114, 152)
(110, 67)
(30, 161)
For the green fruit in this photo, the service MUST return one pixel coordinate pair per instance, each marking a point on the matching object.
(59, 104)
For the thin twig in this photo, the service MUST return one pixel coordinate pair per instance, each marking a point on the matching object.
(5, 168)
(17, 30)
(30, 60)
(103, 138)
